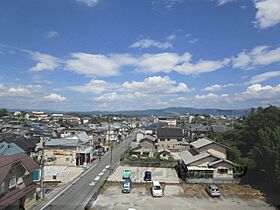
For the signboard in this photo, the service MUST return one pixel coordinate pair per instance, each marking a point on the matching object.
(36, 175)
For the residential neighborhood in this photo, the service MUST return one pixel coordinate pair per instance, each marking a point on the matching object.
(47, 154)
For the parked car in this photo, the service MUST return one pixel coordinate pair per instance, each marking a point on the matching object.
(126, 174)
(156, 189)
(148, 176)
(213, 190)
(126, 186)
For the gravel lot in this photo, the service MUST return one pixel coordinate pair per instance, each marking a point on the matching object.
(166, 175)
(174, 197)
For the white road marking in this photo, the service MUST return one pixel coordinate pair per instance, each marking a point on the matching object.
(97, 178)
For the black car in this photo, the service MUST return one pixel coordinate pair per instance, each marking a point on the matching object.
(148, 176)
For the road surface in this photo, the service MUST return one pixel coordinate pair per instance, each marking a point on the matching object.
(78, 193)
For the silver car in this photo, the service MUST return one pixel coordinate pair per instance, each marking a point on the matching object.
(213, 190)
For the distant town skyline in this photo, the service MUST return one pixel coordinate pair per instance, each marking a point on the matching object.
(96, 55)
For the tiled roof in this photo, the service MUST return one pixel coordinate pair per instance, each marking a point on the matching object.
(169, 133)
(6, 162)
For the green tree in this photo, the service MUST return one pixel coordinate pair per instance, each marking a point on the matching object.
(3, 112)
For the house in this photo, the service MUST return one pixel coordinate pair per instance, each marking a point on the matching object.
(70, 151)
(164, 154)
(145, 148)
(193, 131)
(17, 189)
(169, 138)
(206, 161)
(170, 121)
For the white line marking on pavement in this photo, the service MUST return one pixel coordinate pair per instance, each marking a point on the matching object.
(70, 184)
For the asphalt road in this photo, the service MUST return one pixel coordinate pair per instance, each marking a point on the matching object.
(78, 193)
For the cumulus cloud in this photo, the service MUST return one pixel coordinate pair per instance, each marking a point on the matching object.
(94, 86)
(20, 90)
(263, 77)
(213, 87)
(156, 84)
(92, 64)
(201, 66)
(268, 13)
(55, 97)
(147, 43)
(45, 61)
(260, 55)
(90, 3)
(52, 34)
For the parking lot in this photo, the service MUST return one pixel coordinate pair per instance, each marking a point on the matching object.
(164, 175)
(176, 197)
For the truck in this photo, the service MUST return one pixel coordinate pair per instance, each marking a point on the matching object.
(126, 186)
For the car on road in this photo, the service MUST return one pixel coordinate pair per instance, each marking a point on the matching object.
(126, 174)
(213, 190)
(147, 176)
(156, 189)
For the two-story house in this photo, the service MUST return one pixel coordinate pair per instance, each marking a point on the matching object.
(169, 138)
(17, 189)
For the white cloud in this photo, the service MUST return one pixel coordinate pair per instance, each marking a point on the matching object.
(260, 55)
(171, 37)
(156, 85)
(2, 86)
(45, 61)
(263, 77)
(93, 65)
(55, 97)
(208, 96)
(268, 13)
(162, 62)
(168, 4)
(201, 66)
(213, 87)
(18, 91)
(90, 3)
(52, 34)
(147, 43)
(94, 86)
(222, 2)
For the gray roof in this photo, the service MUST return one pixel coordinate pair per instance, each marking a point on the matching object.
(164, 150)
(148, 137)
(201, 143)
(169, 132)
(9, 149)
(62, 142)
(189, 158)
(220, 161)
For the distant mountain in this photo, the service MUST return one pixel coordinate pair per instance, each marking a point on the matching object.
(176, 111)
(171, 111)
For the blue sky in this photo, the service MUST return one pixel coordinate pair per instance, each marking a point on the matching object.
(83, 55)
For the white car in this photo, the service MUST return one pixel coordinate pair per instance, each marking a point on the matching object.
(156, 189)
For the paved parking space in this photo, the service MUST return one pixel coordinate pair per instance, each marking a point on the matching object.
(163, 175)
(173, 198)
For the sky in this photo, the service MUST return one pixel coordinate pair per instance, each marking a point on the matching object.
(96, 55)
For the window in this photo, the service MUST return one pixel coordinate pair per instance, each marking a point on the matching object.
(12, 182)
(222, 171)
(67, 159)
(20, 180)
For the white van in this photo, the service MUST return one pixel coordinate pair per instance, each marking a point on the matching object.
(156, 189)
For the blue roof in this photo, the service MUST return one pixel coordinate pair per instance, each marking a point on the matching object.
(7, 149)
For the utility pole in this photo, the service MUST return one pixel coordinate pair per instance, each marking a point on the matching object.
(42, 171)
(111, 149)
